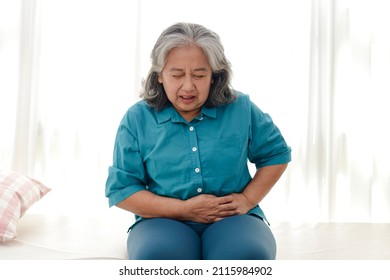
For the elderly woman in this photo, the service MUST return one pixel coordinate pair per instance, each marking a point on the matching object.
(181, 156)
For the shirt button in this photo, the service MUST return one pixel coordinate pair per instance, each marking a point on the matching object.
(194, 149)
(199, 190)
(191, 128)
(197, 170)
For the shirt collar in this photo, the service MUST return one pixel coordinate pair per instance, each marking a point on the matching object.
(164, 115)
(169, 113)
(210, 112)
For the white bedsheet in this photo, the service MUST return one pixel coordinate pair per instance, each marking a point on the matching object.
(104, 237)
(68, 237)
(333, 241)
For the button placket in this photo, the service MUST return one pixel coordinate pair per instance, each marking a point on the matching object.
(195, 159)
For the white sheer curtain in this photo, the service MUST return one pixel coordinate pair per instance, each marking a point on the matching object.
(70, 69)
(341, 154)
(9, 76)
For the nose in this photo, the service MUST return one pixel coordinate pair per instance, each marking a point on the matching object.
(188, 85)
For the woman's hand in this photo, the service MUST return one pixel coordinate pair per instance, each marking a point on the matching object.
(208, 208)
(242, 203)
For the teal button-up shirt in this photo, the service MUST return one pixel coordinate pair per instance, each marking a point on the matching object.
(163, 153)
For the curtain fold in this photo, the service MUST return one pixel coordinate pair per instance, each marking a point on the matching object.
(27, 123)
(318, 169)
(9, 76)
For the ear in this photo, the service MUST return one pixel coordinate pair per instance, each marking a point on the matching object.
(159, 78)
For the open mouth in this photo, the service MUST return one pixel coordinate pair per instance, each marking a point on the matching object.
(187, 98)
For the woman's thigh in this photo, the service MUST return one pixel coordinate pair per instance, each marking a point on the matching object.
(241, 237)
(163, 239)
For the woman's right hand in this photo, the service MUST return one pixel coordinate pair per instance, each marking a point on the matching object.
(207, 208)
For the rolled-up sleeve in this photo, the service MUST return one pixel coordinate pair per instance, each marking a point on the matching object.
(266, 143)
(126, 176)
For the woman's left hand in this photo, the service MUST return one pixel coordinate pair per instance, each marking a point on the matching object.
(241, 203)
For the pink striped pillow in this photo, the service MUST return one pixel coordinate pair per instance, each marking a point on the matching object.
(17, 193)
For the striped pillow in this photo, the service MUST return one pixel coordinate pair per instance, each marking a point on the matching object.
(17, 193)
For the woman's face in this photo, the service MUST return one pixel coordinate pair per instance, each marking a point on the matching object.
(187, 78)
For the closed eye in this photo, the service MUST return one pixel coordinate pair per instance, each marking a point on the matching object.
(199, 76)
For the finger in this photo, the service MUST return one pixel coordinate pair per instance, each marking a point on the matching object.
(227, 207)
(225, 199)
(225, 214)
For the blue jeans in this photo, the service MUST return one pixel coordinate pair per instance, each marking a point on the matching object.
(241, 237)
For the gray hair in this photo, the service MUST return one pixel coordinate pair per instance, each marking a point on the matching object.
(184, 34)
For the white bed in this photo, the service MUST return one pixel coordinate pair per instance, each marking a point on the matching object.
(50, 230)
(104, 237)
(333, 241)
(67, 237)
